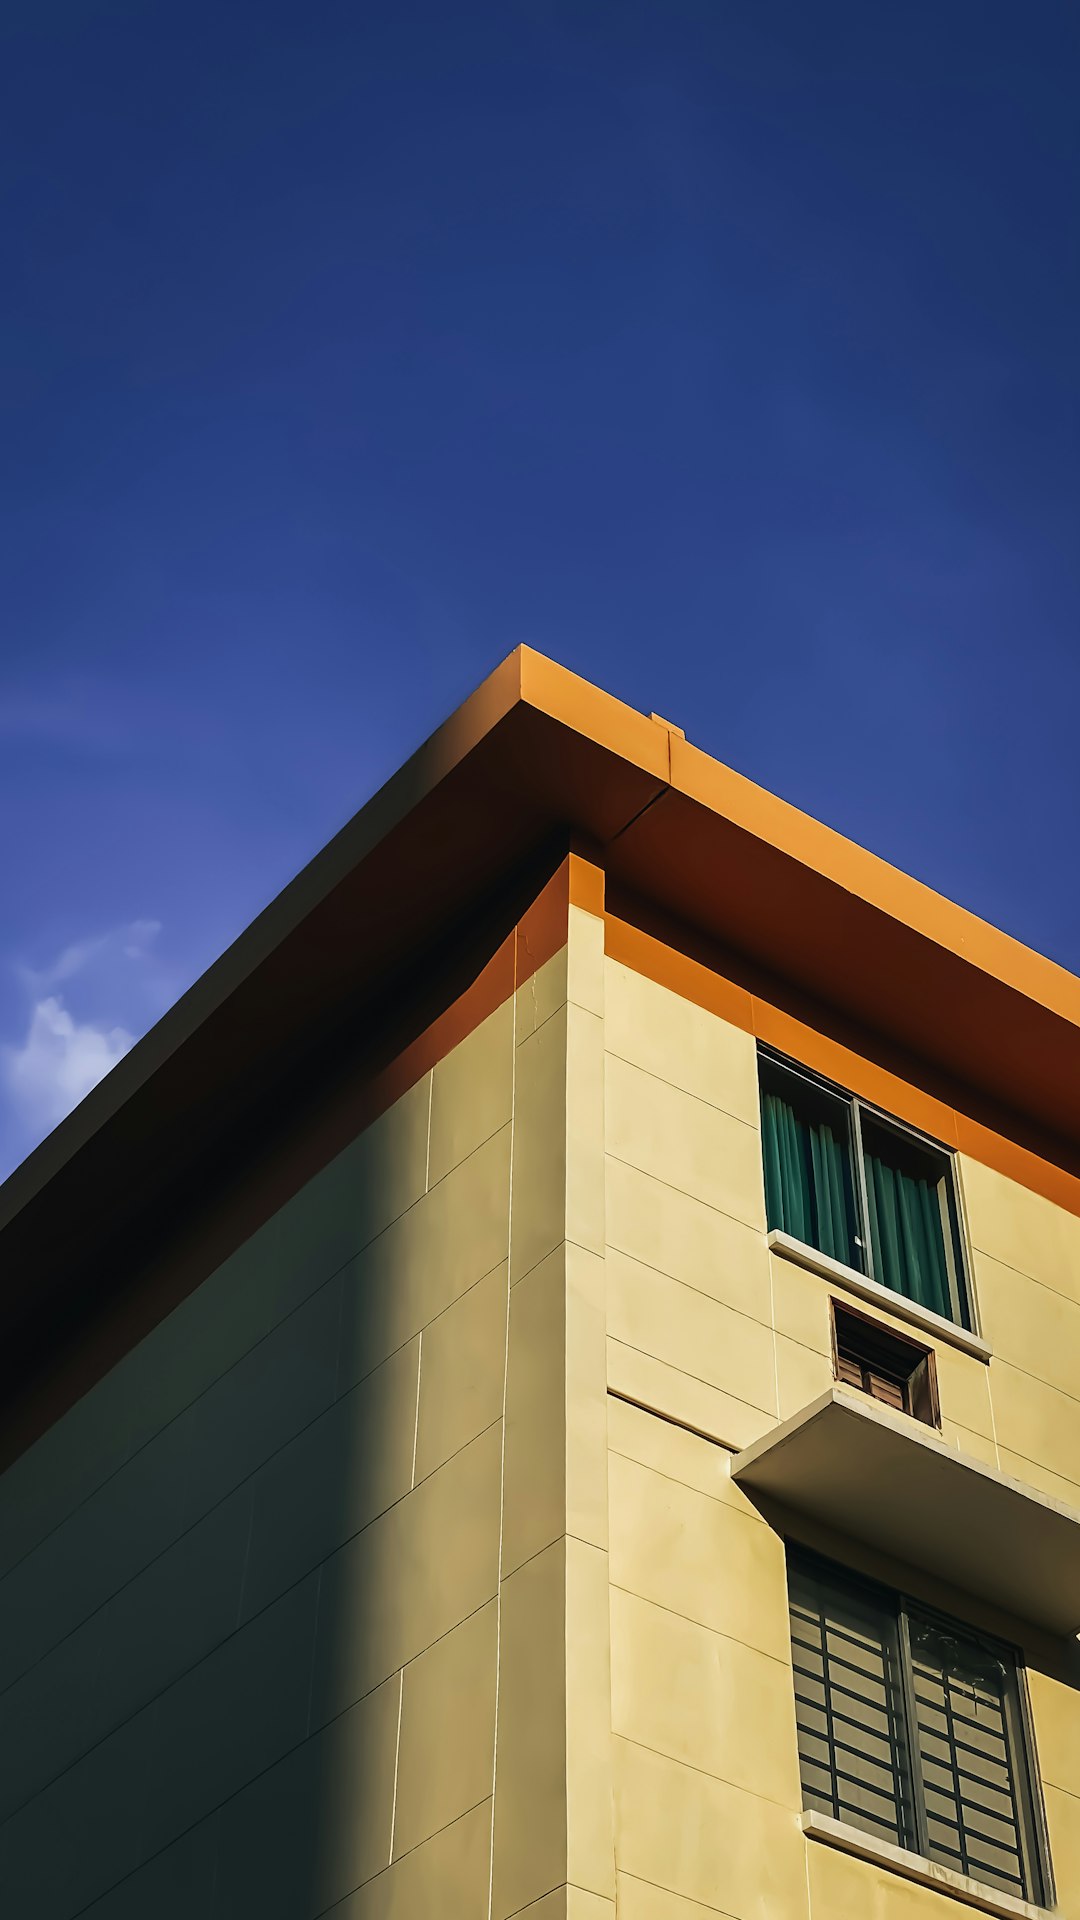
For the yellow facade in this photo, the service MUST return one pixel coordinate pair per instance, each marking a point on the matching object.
(400, 1570)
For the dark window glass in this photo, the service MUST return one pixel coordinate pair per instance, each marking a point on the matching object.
(860, 1188)
(910, 1727)
(809, 1192)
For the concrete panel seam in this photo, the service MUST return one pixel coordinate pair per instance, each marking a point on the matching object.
(646, 1600)
(769, 1412)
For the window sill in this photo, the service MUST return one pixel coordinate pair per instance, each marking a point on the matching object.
(860, 1284)
(913, 1866)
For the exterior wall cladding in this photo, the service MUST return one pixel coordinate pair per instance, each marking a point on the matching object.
(400, 1571)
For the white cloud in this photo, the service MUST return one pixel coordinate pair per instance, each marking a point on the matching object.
(131, 941)
(59, 1061)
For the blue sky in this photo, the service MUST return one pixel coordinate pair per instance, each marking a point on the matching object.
(729, 352)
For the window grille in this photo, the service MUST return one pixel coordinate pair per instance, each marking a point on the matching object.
(910, 1727)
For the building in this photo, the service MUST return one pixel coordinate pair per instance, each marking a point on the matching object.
(550, 1382)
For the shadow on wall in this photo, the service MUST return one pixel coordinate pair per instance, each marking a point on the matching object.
(248, 1582)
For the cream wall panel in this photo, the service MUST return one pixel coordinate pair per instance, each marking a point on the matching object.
(530, 1830)
(157, 1627)
(462, 1372)
(586, 970)
(446, 1755)
(585, 1108)
(426, 1564)
(305, 1834)
(669, 1543)
(1036, 1421)
(1055, 1709)
(175, 1885)
(684, 1142)
(639, 1900)
(432, 1255)
(243, 1562)
(672, 1038)
(675, 1453)
(691, 1331)
(286, 1381)
(447, 1876)
(590, 1847)
(1021, 1229)
(1055, 1484)
(541, 995)
(976, 1445)
(472, 1092)
(1032, 1326)
(681, 1236)
(701, 1698)
(540, 1155)
(333, 1479)
(236, 1713)
(706, 1840)
(264, 1281)
(843, 1888)
(1063, 1825)
(801, 1375)
(534, 1497)
(680, 1396)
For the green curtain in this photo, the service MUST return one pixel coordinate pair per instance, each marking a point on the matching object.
(907, 1235)
(808, 1180)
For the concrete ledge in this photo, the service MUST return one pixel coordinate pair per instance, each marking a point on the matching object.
(860, 1284)
(913, 1866)
(886, 1479)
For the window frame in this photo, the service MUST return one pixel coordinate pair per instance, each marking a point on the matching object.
(1025, 1780)
(922, 1355)
(780, 1066)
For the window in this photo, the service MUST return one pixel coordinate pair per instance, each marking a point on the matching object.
(862, 1188)
(883, 1364)
(911, 1727)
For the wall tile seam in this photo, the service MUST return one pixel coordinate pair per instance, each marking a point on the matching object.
(717, 1300)
(754, 1519)
(249, 1482)
(769, 1412)
(326, 1913)
(669, 1420)
(700, 1099)
(314, 1731)
(723, 1913)
(754, 1226)
(783, 1806)
(555, 1014)
(665, 1080)
(715, 1633)
(1033, 1279)
(567, 1240)
(243, 1625)
(571, 1886)
(165, 1425)
(503, 1423)
(757, 1228)
(1039, 1380)
(318, 1286)
(250, 1478)
(447, 1174)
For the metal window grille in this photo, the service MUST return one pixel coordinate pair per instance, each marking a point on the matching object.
(910, 1727)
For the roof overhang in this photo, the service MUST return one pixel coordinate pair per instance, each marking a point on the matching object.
(535, 756)
(887, 1481)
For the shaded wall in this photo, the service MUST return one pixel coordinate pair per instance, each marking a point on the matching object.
(249, 1593)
